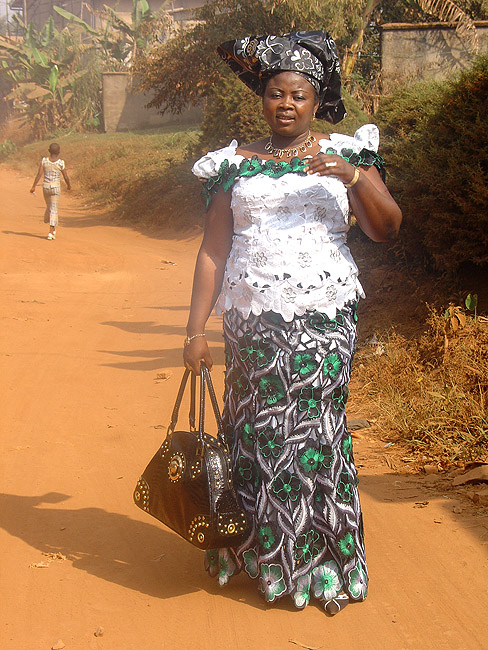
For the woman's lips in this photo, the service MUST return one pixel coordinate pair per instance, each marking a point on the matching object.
(286, 119)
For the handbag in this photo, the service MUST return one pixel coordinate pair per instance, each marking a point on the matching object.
(187, 485)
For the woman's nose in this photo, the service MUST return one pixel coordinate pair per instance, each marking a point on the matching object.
(286, 101)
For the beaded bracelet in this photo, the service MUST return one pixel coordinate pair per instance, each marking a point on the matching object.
(190, 338)
(354, 179)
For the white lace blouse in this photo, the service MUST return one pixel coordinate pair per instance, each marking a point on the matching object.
(289, 252)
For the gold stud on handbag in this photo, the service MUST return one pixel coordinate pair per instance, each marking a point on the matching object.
(188, 483)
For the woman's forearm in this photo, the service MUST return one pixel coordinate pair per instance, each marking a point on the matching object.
(207, 282)
(375, 209)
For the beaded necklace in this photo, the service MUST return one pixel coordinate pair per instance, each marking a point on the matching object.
(292, 151)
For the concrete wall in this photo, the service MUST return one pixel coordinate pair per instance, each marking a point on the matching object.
(124, 109)
(424, 51)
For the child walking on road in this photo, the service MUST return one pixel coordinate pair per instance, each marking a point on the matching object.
(52, 167)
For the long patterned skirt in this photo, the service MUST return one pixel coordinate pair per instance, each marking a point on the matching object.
(284, 410)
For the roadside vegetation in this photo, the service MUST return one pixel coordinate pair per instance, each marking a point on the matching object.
(430, 391)
(144, 177)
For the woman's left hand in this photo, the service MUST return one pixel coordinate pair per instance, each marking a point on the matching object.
(325, 164)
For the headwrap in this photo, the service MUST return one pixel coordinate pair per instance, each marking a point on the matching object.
(310, 54)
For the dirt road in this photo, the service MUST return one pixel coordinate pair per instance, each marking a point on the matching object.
(90, 344)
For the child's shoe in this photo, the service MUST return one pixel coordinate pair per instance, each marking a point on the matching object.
(52, 235)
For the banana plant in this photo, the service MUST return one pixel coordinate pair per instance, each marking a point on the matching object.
(45, 69)
(119, 40)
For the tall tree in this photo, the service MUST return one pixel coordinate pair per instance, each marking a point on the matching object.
(185, 70)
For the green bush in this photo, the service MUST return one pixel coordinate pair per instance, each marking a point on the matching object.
(436, 146)
(7, 147)
(236, 112)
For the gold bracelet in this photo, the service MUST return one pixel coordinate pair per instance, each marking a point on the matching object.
(354, 179)
(189, 339)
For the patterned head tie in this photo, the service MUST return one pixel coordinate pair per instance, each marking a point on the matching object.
(311, 54)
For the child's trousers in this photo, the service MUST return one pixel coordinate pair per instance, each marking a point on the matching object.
(51, 196)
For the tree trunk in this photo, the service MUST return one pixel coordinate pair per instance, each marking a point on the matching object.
(352, 52)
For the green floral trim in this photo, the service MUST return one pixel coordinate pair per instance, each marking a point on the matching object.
(227, 566)
(321, 322)
(266, 537)
(251, 563)
(332, 365)
(286, 486)
(347, 448)
(358, 582)
(271, 389)
(270, 442)
(309, 400)
(302, 593)
(211, 561)
(240, 384)
(314, 459)
(327, 581)
(258, 351)
(271, 581)
(345, 488)
(346, 545)
(248, 435)
(229, 172)
(308, 546)
(245, 472)
(365, 158)
(339, 397)
(304, 363)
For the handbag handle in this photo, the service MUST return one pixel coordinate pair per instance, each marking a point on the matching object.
(205, 380)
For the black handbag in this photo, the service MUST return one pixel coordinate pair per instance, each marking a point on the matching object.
(188, 483)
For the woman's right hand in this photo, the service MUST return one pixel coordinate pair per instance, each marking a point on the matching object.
(197, 350)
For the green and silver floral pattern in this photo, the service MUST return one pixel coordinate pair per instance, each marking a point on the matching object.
(285, 397)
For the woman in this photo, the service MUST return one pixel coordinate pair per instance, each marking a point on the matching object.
(274, 251)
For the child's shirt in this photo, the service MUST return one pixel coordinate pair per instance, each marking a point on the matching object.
(52, 172)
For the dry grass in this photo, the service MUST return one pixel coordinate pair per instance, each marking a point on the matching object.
(144, 177)
(432, 392)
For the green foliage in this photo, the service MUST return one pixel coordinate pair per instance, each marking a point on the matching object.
(471, 303)
(7, 147)
(55, 78)
(185, 70)
(118, 41)
(436, 146)
(233, 112)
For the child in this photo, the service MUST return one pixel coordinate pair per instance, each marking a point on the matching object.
(52, 168)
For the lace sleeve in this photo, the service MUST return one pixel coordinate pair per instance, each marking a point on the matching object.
(360, 150)
(209, 164)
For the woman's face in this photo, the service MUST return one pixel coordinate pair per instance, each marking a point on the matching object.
(289, 104)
